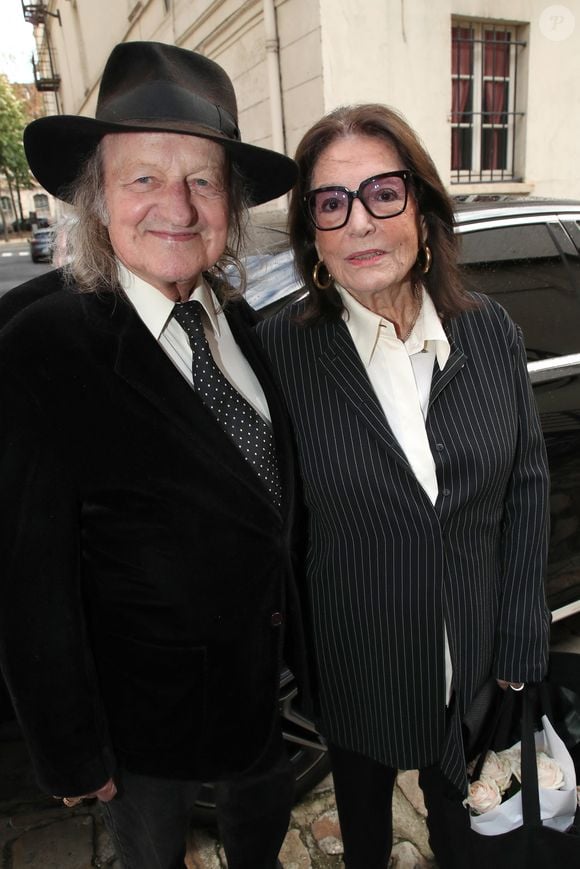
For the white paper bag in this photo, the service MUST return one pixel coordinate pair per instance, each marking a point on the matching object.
(557, 807)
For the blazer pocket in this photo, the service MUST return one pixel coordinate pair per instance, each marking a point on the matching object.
(155, 695)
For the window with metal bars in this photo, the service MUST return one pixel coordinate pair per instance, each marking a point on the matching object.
(485, 117)
(40, 201)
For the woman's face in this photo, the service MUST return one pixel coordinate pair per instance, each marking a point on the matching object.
(370, 257)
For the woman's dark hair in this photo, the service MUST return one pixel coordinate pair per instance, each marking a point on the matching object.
(442, 281)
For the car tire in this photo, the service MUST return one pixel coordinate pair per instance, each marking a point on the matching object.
(304, 745)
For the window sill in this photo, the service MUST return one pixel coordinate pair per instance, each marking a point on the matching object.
(491, 188)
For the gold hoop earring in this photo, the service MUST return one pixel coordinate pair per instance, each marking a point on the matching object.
(316, 280)
(427, 259)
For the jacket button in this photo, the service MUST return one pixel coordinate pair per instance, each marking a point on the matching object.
(276, 619)
(439, 448)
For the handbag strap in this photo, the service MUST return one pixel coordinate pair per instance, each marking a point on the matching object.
(529, 768)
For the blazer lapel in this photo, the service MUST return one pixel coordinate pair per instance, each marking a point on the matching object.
(455, 363)
(142, 364)
(343, 366)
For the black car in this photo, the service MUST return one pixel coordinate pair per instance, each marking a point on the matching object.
(527, 256)
(41, 245)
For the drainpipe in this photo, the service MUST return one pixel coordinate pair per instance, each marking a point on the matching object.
(274, 85)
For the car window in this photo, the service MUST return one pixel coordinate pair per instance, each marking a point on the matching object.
(533, 270)
(573, 229)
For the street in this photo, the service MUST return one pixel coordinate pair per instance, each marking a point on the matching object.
(16, 265)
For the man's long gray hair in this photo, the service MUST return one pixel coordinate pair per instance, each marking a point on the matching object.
(90, 264)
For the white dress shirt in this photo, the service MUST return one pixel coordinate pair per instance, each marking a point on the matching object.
(155, 310)
(400, 374)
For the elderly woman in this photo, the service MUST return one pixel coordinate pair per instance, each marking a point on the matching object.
(424, 472)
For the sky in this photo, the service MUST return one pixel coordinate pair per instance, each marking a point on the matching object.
(16, 42)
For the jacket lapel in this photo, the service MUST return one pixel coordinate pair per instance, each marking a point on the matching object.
(142, 364)
(343, 366)
(455, 363)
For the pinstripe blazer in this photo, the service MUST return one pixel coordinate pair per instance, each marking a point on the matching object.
(387, 569)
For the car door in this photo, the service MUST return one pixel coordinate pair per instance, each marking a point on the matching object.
(530, 264)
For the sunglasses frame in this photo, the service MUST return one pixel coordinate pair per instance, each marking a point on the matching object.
(404, 174)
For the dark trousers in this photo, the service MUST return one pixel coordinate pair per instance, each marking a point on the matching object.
(364, 794)
(149, 818)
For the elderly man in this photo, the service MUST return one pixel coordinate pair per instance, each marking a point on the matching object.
(146, 473)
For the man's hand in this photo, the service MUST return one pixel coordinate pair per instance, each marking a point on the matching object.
(104, 794)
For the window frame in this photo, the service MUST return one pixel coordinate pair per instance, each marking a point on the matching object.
(475, 104)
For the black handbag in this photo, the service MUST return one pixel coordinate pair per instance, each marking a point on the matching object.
(533, 845)
(563, 681)
(479, 721)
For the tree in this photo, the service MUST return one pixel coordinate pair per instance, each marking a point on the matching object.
(13, 163)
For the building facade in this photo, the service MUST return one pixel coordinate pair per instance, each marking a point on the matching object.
(494, 98)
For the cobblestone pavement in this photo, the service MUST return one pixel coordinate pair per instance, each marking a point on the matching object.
(38, 833)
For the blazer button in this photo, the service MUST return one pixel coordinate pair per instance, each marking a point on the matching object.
(276, 619)
(439, 448)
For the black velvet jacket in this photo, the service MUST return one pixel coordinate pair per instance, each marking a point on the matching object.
(143, 564)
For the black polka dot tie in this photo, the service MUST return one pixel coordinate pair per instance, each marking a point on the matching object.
(250, 433)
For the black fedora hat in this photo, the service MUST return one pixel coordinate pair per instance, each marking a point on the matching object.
(151, 86)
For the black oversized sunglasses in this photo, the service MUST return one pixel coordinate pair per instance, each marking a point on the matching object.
(382, 195)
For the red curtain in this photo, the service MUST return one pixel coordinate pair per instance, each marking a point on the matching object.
(461, 65)
(496, 66)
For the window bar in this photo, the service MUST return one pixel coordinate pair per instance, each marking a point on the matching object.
(515, 109)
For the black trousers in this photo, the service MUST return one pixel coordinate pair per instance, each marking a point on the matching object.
(149, 818)
(364, 794)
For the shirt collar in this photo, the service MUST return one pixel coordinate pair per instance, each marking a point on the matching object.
(364, 326)
(155, 309)
(428, 333)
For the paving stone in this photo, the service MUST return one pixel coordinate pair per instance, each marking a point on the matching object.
(202, 851)
(408, 825)
(105, 850)
(28, 820)
(312, 806)
(294, 854)
(326, 833)
(408, 782)
(66, 844)
(406, 856)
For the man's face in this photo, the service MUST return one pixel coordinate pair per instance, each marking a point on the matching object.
(167, 206)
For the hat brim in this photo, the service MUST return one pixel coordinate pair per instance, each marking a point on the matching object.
(56, 148)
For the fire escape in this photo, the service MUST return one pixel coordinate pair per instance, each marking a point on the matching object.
(46, 77)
